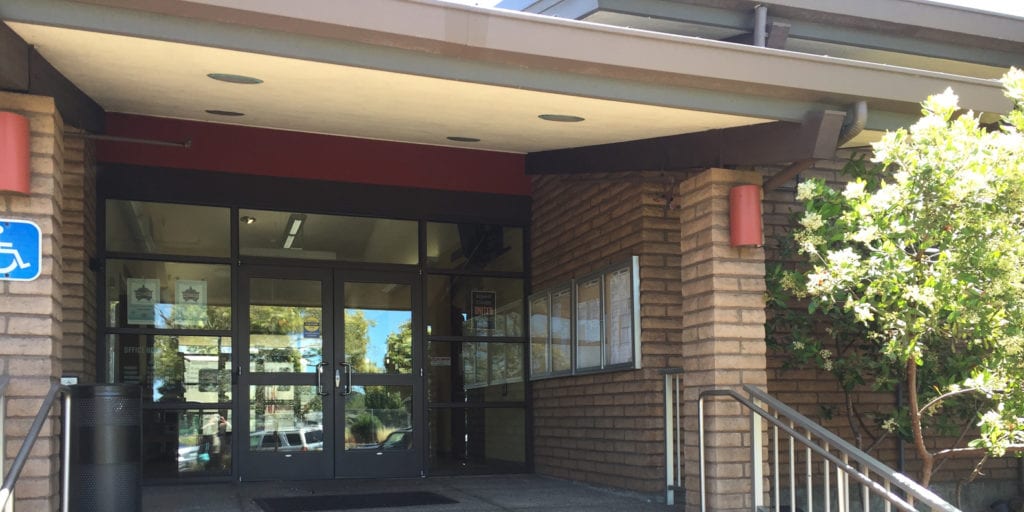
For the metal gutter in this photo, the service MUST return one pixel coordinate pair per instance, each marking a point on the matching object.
(488, 46)
(970, 39)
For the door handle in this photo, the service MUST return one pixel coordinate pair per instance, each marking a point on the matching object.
(348, 377)
(319, 379)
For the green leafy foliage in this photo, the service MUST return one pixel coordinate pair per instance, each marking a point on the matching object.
(914, 273)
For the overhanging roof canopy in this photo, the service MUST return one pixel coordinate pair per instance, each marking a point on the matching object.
(420, 71)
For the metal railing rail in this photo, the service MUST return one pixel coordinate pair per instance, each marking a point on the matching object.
(30, 440)
(849, 462)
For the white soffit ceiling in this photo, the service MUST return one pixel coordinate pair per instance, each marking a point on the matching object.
(165, 79)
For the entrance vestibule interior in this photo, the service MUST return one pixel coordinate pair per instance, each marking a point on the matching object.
(336, 346)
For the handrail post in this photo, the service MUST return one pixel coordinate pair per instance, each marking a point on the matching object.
(756, 456)
(700, 452)
(65, 470)
(670, 480)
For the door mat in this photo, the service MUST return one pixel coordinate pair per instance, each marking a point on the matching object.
(351, 501)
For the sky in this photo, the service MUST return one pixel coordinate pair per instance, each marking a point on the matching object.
(1015, 7)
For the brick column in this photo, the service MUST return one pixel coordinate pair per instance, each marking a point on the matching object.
(31, 311)
(723, 337)
(79, 235)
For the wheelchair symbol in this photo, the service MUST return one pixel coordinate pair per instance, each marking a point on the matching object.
(16, 261)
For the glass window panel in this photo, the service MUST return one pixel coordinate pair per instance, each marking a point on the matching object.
(561, 330)
(618, 285)
(172, 368)
(183, 443)
(378, 327)
(168, 295)
(285, 330)
(588, 324)
(540, 361)
(377, 417)
(285, 418)
(484, 440)
(327, 237)
(164, 228)
(475, 247)
(476, 372)
(451, 300)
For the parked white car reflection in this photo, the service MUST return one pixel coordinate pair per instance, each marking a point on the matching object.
(304, 439)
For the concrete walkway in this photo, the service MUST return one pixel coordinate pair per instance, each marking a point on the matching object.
(519, 493)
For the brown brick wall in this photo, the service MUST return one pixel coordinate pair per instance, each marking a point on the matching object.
(607, 428)
(31, 312)
(78, 249)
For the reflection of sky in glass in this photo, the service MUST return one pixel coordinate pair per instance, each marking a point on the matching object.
(382, 323)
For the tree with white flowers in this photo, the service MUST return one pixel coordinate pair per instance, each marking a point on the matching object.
(917, 269)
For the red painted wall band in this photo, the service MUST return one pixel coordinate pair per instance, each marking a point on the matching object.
(266, 152)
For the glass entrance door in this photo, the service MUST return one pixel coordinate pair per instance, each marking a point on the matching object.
(330, 380)
(379, 378)
(285, 390)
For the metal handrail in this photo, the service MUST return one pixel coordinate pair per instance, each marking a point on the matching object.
(849, 451)
(33, 436)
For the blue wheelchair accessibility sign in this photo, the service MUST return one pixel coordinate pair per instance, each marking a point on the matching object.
(21, 250)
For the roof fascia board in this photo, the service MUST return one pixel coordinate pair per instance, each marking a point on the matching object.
(803, 29)
(568, 57)
(760, 144)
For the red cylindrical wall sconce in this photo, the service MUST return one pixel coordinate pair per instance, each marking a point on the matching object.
(15, 173)
(745, 216)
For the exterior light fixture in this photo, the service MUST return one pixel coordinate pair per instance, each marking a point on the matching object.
(226, 113)
(463, 139)
(561, 118)
(745, 216)
(235, 79)
(15, 172)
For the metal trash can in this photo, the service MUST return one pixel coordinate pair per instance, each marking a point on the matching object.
(106, 448)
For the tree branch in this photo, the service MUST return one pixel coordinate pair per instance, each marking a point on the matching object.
(950, 394)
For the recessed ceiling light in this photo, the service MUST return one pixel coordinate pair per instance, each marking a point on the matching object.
(247, 219)
(228, 113)
(561, 118)
(463, 139)
(235, 79)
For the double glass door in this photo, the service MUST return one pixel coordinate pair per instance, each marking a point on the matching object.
(330, 379)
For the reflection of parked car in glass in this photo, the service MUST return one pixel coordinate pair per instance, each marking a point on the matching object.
(188, 458)
(302, 439)
(400, 439)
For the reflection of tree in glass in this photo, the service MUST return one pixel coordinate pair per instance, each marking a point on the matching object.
(398, 358)
(168, 368)
(357, 337)
(388, 405)
(277, 319)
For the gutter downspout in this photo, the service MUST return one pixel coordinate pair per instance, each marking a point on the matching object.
(856, 125)
(760, 26)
